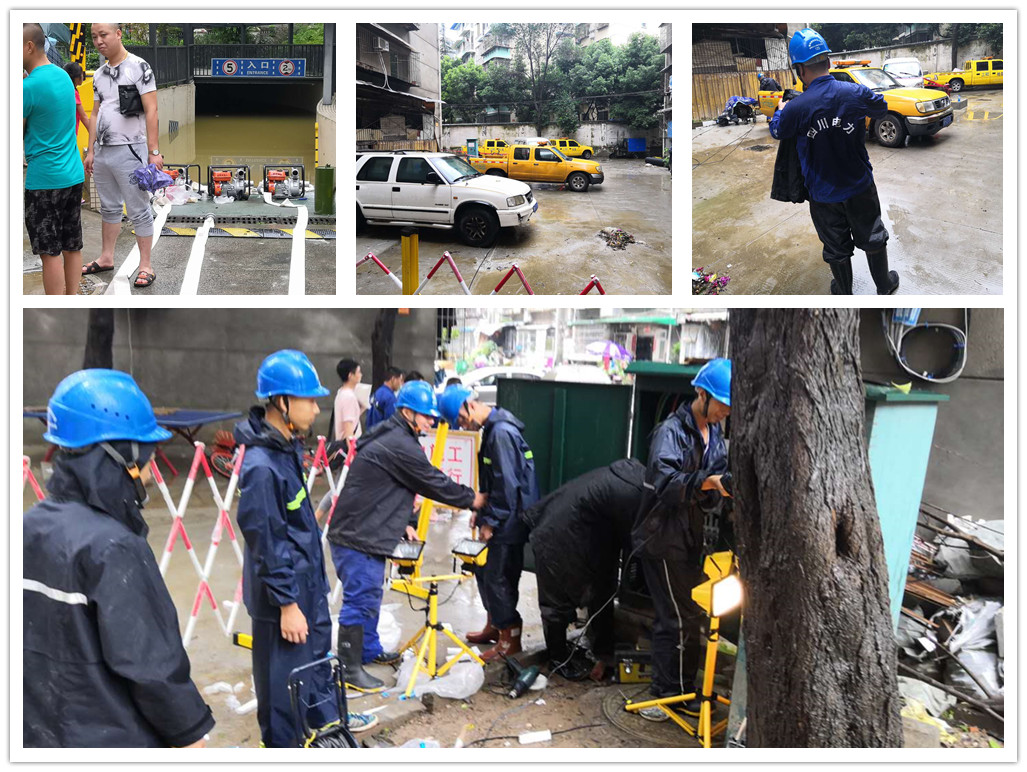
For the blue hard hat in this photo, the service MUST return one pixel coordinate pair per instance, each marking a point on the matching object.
(419, 397)
(806, 44)
(290, 373)
(715, 378)
(452, 399)
(98, 405)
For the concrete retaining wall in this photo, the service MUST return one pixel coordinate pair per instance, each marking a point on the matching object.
(327, 128)
(935, 56)
(176, 103)
(598, 134)
(208, 358)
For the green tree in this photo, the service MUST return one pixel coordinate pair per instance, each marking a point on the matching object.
(309, 34)
(638, 65)
(460, 84)
(537, 43)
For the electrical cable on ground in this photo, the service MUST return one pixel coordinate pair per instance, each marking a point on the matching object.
(697, 164)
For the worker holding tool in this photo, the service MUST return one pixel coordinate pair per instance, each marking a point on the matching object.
(687, 467)
(104, 664)
(829, 121)
(285, 586)
(577, 535)
(507, 472)
(374, 512)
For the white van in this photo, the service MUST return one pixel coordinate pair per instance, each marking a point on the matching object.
(905, 71)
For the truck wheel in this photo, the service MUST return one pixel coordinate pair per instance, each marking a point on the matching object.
(957, 84)
(578, 182)
(890, 130)
(478, 226)
(587, 154)
(496, 172)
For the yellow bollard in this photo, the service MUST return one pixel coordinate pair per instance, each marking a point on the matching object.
(411, 272)
(316, 142)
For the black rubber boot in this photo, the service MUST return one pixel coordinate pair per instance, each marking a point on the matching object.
(350, 652)
(887, 281)
(841, 284)
(561, 661)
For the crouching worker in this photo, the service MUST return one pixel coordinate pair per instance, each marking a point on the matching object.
(285, 587)
(507, 474)
(104, 664)
(374, 512)
(577, 534)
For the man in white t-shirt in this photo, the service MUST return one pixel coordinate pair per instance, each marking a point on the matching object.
(347, 404)
(123, 134)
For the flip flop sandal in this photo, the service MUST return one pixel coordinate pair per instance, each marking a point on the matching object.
(95, 267)
(146, 277)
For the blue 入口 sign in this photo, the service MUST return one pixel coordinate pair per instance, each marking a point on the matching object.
(258, 68)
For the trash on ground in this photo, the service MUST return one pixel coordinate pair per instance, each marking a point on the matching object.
(616, 238)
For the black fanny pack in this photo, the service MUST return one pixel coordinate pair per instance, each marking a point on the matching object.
(129, 101)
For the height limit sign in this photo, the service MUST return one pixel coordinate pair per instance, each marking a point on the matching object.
(258, 68)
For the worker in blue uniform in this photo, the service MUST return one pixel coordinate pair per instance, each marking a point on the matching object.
(374, 512)
(104, 665)
(383, 401)
(686, 466)
(285, 587)
(506, 469)
(829, 121)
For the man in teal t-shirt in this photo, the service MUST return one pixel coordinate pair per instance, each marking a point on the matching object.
(53, 180)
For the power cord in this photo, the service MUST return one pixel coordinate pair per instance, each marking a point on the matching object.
(898, 323)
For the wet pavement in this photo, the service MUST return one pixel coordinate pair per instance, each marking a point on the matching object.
(558, 250)
(941, 200)
(230, 266)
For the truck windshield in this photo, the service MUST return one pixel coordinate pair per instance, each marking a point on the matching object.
(454, 169)
(557, 152)
(875, 80)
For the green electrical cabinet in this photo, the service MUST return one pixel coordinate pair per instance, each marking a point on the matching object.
(659, 389)
(572, 428)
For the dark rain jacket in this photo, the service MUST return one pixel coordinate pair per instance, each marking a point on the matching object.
(788, 185)
(284, 560)
(579, 530)
(506, 469)
(104, 664)
(377, 502)
(670, 520)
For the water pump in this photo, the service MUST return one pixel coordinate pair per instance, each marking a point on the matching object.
(233, 181)
(284, 181)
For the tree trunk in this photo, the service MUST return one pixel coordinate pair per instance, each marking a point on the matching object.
(100, 339)
(821, 651)
(954, 32)
(381, 345)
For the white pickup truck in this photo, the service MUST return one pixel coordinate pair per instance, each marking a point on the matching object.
(438, 190)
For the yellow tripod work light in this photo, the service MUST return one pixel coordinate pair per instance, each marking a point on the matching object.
(717, 596)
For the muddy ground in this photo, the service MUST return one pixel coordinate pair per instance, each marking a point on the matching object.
(558, 249)
(941, 200)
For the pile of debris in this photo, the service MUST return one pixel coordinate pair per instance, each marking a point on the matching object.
(708, 282)
(950, 636)
(616, 238)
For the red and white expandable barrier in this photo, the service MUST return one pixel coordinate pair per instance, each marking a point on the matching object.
(593, 282)
(222, 524)
(513, 269)
(371, 256)
(28, 477)
(446, 258)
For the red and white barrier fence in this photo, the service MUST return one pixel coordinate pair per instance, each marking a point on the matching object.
(446, 258)
(28, 477)
(371, 256)
(520, 275)
(593, 282)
